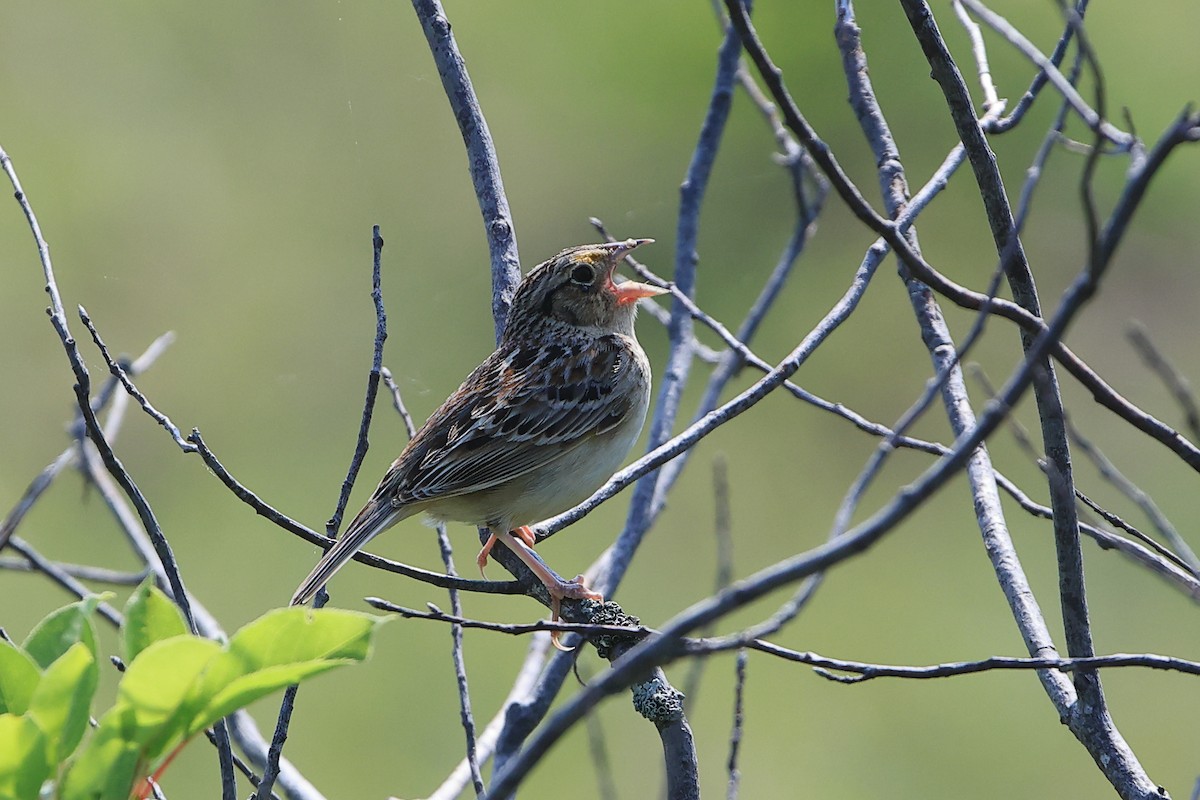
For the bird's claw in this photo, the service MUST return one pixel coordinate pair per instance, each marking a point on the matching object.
(575, 589)
(482, 559)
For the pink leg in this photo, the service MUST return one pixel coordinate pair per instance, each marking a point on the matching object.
(525, 534)
(557, 588)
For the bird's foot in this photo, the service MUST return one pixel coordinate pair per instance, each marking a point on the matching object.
(576, 589)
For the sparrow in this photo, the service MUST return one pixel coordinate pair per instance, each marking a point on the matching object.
(541, 424)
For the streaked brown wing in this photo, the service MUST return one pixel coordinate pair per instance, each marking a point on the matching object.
(519, 410)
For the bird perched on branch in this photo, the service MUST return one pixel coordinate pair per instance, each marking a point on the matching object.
(535, 429)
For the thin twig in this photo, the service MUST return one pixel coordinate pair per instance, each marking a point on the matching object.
(435, 614)
(84, 572)
(1040, 80)
(1109, 471)
(979, 50)
(739, 721)
(1171, 377)
(122, 375)
(860, 671)
(1091, 118)
(486, 742)
(1160, 556)
(287, 705)
(460, 666)
(722, 529)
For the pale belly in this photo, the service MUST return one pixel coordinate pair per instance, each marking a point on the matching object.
(549, 490)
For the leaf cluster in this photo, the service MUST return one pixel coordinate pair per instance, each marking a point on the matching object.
(175, 685)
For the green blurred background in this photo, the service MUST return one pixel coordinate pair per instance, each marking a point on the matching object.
(214, 169)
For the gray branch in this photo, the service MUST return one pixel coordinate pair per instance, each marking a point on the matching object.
(482, 161)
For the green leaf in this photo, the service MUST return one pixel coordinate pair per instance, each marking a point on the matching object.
(150, 616)
(291, 635)
(23, 763)
(280, 648)
(245, 690)
(62, 701)
(106, 767)
(175, 687)
(157, 693)
(19, 676)
(55, 634)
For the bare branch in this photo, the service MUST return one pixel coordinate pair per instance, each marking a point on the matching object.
(84, 572)
(482, 161)
(990, 99)
(1049, 68)
(1040, 80)
(860, 671)
(1031, 323)
(1088, 719)
(120, 373)
(61, 576)
(735, 736)
(679, 360)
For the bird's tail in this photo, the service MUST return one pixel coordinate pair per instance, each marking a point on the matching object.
(373, 520)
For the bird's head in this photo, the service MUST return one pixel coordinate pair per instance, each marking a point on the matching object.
(576, 288)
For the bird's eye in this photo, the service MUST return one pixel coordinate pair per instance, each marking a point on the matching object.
(582, 274)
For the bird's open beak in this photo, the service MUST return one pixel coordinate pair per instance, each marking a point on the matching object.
(630, 291)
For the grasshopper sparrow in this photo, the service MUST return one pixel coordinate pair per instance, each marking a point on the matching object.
(535, 429)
